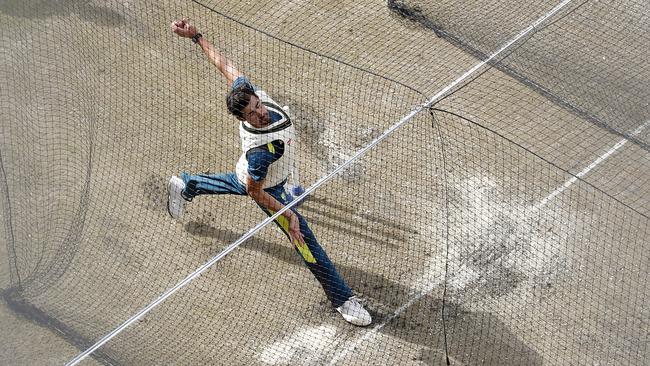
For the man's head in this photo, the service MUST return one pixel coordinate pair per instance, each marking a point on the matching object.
(244, 104)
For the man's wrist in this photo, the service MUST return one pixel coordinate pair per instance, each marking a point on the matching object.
(196, 37)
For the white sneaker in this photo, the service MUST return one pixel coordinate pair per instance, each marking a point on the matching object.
(354, 313)
(175, 200)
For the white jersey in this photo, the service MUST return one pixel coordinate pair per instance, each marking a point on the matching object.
(252, 137)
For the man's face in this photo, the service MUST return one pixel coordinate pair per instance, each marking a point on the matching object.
(256, 113)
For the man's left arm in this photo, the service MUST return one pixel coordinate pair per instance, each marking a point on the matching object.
(259, 161)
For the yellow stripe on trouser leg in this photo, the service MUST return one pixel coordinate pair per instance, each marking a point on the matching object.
(302, 248)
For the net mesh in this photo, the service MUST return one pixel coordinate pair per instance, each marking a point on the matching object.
(506, 223)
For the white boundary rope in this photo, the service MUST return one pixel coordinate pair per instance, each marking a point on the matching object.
(142, 312)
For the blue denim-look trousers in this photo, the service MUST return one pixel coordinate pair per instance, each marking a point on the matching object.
(312, 253)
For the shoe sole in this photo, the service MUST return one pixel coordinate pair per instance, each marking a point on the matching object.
(169, 198)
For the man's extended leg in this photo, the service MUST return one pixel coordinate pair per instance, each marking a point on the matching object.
(187, 186)
(220, 183)
(314, 256)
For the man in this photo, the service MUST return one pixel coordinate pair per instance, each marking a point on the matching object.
(268, 143)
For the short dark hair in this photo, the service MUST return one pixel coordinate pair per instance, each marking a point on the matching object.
(238, 98)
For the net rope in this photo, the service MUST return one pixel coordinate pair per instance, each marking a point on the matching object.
(315, 186)
(513, 209)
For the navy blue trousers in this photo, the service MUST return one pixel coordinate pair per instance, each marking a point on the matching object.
(312, 253)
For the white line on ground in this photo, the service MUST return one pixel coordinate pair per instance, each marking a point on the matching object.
(373, 332)
(586, 170)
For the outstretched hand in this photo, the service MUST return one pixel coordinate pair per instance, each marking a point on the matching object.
(294, 230)
(183, 28)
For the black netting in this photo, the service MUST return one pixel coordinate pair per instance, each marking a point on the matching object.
(484, 215)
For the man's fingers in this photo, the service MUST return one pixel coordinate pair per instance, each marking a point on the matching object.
(294, 231)
(180, 24)
(297, 235)
(301, 238)
(177, 26)
(177, 30)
